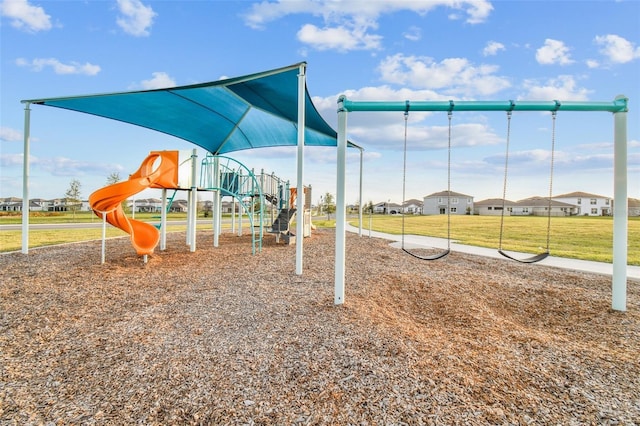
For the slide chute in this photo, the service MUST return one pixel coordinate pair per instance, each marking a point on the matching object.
(158, 170)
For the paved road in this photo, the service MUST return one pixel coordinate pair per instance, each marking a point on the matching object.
(416, 241)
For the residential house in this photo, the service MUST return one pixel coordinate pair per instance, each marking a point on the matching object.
(145, 205)
(37, 205)
(387, 207)
(412, 206)
(539, 206)
(437, 203)
(11, 204)
(178, 206)
(493, 207)
(634, 207)
(587, 204)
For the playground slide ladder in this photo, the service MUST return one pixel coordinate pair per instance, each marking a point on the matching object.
(169, 204)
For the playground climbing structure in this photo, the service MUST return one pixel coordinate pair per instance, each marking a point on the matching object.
(257, 195)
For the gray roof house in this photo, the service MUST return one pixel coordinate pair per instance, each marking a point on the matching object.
(587, 204)
(539, 206)
(492, 207)
(437, 203)
(412, 206)
(634, 207)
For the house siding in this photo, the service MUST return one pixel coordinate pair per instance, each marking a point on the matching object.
(588, 204)
(437, 203)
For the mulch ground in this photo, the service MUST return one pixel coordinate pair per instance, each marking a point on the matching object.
(219, 336)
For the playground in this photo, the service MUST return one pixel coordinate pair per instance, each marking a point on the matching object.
(239, 339)
(228, 334)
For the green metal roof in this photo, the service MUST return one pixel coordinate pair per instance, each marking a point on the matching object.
(252, 111)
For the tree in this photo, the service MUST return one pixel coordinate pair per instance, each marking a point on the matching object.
(328, 204)
(72, 197)
(113, 178)
(370, 207)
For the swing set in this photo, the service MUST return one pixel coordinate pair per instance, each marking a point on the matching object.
(531, 259)
(619, 108)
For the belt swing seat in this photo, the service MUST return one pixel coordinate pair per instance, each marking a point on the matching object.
(543, 255)
(404, 180)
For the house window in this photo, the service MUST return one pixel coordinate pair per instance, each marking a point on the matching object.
(491, 208)
(454, 209)
(594, 211)
(469, 200)
(606, 201)
(594, 201)
(579, 200)
(440, 200)
(454, 201)
(525, 210)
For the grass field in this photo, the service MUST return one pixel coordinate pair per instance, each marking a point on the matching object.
(578, 237)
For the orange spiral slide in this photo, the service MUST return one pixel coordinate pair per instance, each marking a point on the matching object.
(151, 174)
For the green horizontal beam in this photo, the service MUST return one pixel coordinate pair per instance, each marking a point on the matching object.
(618, 105)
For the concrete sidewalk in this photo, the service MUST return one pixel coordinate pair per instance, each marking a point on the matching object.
(416, 241)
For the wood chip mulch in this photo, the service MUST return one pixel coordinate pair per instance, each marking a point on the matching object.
(220, 337)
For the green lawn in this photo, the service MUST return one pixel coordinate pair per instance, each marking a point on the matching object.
(578, 237)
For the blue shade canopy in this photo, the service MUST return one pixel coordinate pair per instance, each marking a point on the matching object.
(253, 111)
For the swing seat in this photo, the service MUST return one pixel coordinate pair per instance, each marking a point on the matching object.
(432, 257)
(532, 259)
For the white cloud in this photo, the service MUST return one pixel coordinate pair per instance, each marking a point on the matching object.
(553, 52)
(563, 88)
(10, 135)
(60, 166)
(11, 160)
(25, 16)
(389, 126)
(137, 18)
(348, 24)
(592, 63)
(413, 34)
(58, 67)
(617, 49)
(260, 14)
(453, 75)
(492, 48)
(338, 38)
(160, 80)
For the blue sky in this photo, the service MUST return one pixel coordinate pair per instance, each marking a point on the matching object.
(369, 50)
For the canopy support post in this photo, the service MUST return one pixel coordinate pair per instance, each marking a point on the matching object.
(216, 202)
(25, 178)
(340, 205)
(193, 210)
(163, 221)
(620, 211)
(360, 195)
(300, 201)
